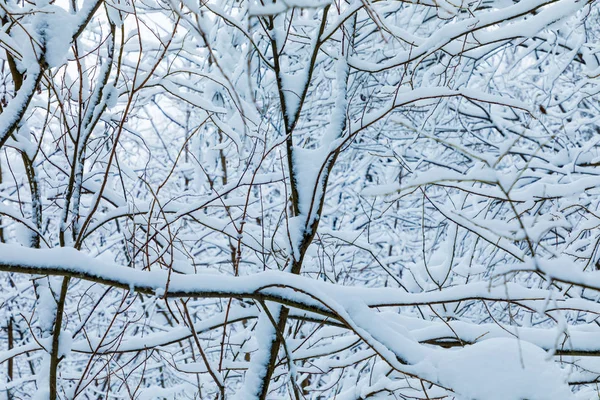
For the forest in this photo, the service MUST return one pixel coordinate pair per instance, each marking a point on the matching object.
(300, 199)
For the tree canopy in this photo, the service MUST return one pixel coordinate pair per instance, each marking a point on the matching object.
(300, 199)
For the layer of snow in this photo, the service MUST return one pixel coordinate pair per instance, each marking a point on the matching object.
(502, 369)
